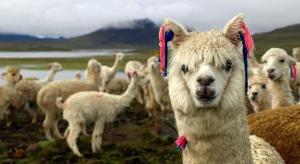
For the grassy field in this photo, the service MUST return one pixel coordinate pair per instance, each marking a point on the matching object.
(75, 63)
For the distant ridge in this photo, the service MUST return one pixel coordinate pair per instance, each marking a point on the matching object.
(21, 37)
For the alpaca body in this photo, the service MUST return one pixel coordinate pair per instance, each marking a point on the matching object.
(98, 107)
(47, 96)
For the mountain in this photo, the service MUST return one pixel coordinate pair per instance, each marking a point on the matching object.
(21, 37)
(286, 37)
(135, 34)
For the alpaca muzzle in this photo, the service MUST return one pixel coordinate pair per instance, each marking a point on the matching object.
(205, 93)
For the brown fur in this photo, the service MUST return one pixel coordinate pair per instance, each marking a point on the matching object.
(280, 128)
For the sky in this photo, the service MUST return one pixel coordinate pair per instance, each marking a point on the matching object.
(71, 18)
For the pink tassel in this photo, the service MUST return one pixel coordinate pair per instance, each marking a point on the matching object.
(248, 39)
(162, 43)
(181, 142)
(295, 72)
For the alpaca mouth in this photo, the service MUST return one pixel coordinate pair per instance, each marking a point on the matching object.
(253, 98)
(271, 76)
(205, 94)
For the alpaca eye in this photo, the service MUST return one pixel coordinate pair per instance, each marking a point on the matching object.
(227, 65)
(263, 86)
(264, 61)
(282, 61)
(249, 87)
(184, 68)
(13, 74)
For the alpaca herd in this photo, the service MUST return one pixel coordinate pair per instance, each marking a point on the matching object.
(204, 88)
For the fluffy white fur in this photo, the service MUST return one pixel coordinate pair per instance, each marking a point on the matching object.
(159, 85)
(54, 68)
(259, 93)
(216, 129)
(296, 53)
(107, 73)
(11, 76)
(47, 96)
(277, 67)
(97, 107)
(130, 67)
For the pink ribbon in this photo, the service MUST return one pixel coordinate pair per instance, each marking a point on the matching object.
(181, 142)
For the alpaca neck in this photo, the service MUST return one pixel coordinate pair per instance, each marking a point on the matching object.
(114, 68)
(157, 82)
(127, 97)
(222, 138)
(263, 104)
(10, 84)
(93, 78)
(50, 76)
(281, 93)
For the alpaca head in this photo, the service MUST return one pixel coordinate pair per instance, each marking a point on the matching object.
(206, 66)
(93, 70)
(139, 78)
(153, 64)
(56, 67)
(119, 56)
(257, 88)
(12, 74)
(277, 64)
(78, 75)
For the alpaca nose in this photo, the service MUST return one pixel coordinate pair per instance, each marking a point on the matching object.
(271, 70)
(205, 81)
(255, 93)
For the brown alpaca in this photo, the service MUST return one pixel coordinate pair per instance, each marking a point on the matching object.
(281, 128)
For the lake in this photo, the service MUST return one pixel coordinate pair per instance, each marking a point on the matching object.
(65, 74)
(62, 54)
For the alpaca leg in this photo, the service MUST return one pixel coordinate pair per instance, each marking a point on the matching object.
(83, 127)
(71, 140)
(31, 112)
(97, 135)
(48, 124)
(56, 130)
(139, 96)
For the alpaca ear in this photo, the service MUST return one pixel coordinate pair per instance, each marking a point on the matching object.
(233, 27)
(134, 74)
(180, 32)
(292, 61)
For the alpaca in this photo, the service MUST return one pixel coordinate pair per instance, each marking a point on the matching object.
(117, 85)
(159, 85)
(78, 76)
(12, 76)
(296, 53)
(27, 90)
(98, 107)
(130, 67)
(281, 129)
(46, 98)
(206, 86)
(151, 106)
(54, 68)
(108, 73)
(277, 65)
(258, 93)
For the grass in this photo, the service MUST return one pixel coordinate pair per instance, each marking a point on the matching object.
(74, 63)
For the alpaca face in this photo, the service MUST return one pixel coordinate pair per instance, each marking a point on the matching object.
(277, 64)
(206, 82)
(257, 91)
(56, 67)
(119, 56)
(12, 76)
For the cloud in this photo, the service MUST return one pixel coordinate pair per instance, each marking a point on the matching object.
(76, 17)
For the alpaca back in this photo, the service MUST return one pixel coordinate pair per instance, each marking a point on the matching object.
(64, 88)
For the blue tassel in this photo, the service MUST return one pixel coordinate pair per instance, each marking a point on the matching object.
(245, 59)
(168, 37)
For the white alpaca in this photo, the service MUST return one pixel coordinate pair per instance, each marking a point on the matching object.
(54, 68)
(107, 73)
(159, 85)
(46, 98)
(130, 67)
(11, 77)
(296, 53)
(206, 86)
(277, 67)
(258, 93)
(98, 107)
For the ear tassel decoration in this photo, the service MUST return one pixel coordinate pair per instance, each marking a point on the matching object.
(181, 142)
(248, 46)
(164, 38)
(294, 71)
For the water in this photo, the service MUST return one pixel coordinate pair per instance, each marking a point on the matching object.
(63, 75)
(63, 54)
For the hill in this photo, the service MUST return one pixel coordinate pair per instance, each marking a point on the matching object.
(287, 37)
